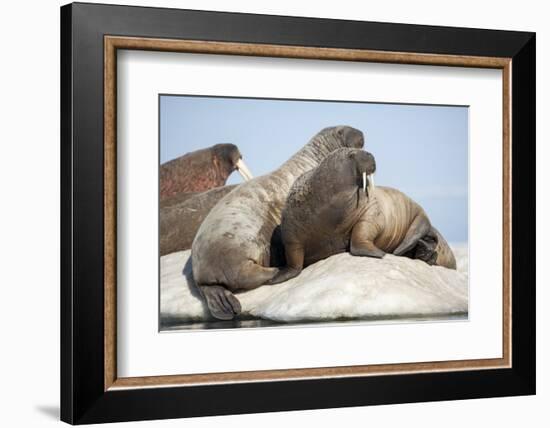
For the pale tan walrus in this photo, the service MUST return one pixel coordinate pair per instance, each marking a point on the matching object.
(233, 247)
(335, 208)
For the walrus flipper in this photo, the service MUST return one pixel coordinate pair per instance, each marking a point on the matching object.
(222, 304)
(362, 240)
(426, 249)
(366, 249)
(283, 275)
(419, 228)
(252, 275)
(294, 255)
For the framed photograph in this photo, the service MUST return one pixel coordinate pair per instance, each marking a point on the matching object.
(266, 213)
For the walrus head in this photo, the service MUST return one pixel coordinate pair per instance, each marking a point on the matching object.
(229, 159)
(330, 139)
(351, 137)
(363, 167)
(348, 168)
(335, 137)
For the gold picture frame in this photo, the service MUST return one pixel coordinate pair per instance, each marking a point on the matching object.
(114, 43)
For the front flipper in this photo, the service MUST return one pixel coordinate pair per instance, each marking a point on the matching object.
(363, 235)
(366, 249)
(222, 304)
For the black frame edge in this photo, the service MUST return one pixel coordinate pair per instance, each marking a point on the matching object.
(524, 219)
(297, 30)
(66, 306)
(83, 399)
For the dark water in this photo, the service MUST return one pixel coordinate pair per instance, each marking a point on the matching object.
(171, 325)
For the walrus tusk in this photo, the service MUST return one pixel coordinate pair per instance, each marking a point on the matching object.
(371, 183)
(365, 182)
(243, 170)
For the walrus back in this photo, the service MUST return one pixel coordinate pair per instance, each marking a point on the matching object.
(397, 212)
(445, 256)
(238, 229)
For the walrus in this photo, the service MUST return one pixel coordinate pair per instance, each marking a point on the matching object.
(335, 208)
(182, 215)
(201, 170)
(232, 249)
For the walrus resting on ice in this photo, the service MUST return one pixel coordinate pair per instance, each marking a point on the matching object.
(335, 208)
(182, 215)
(201, 170)
(232, 249)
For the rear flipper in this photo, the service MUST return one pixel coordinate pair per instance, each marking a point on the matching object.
(222, 304)
(283, 275)
(294, 254)
(426, 250)
(419, 228)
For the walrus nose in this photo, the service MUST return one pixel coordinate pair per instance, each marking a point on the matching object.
(367, 167)
(243, 170)
(365, 162)
(356, 139)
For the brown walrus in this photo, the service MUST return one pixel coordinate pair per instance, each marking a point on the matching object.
(201, 170)
(232, 249)
(182, 215)
(335, 208)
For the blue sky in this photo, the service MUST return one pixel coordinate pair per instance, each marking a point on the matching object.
(421, 150)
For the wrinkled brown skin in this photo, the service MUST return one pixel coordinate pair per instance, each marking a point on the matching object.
(327, 212)
(182, 215)
(198, 171)
(181, 198)
(233, 247)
